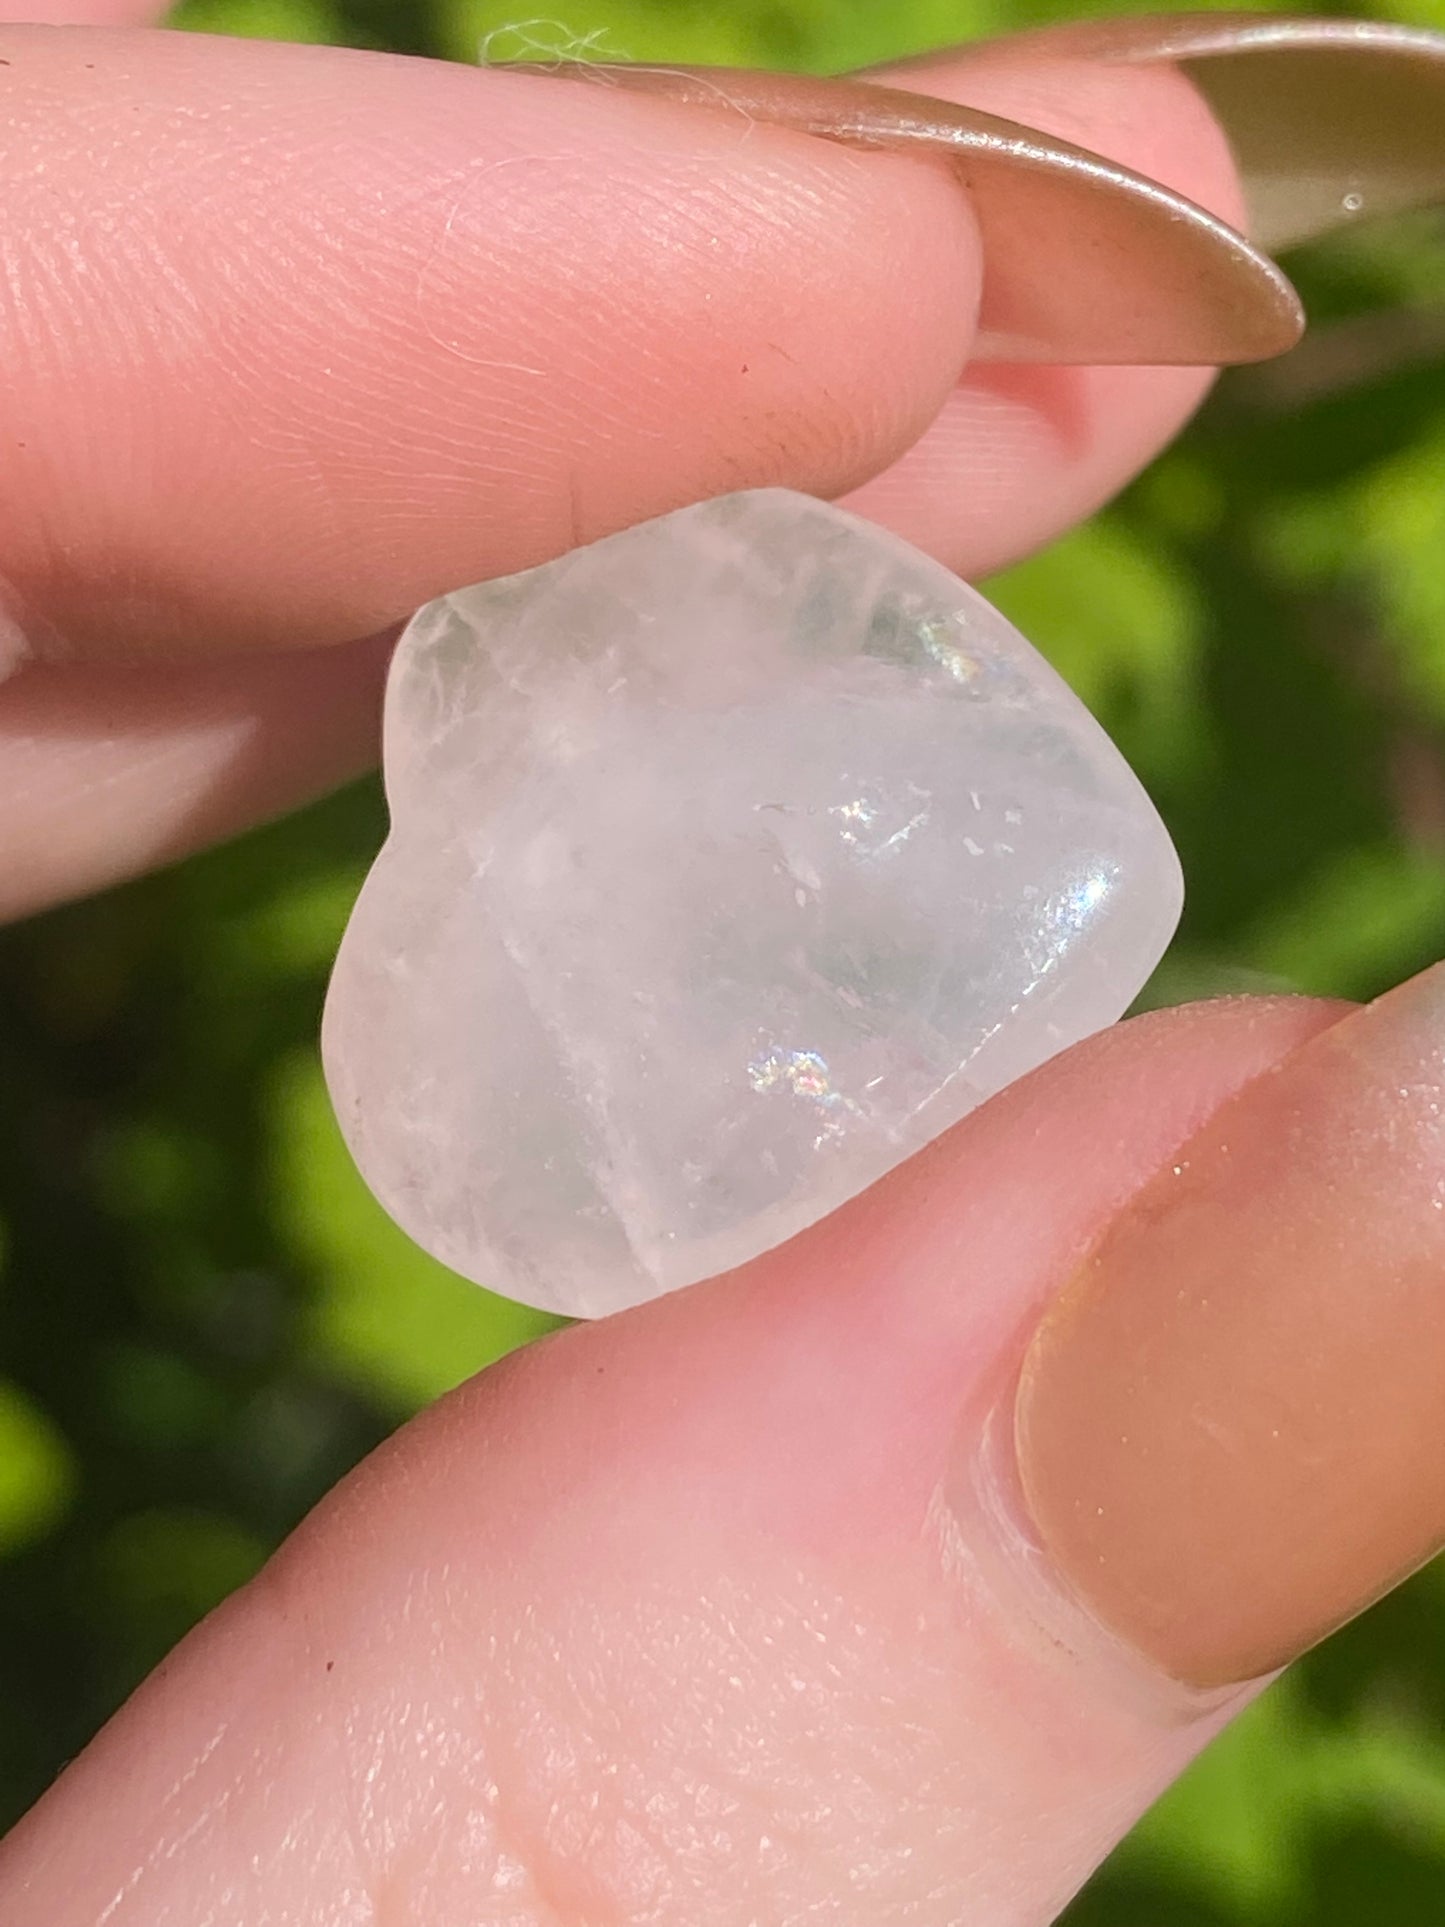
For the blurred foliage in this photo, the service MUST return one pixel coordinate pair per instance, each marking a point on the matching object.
(204, 1320)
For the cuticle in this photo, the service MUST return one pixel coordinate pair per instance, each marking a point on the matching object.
(989, 1544)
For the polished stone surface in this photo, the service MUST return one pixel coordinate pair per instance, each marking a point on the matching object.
(733, 858)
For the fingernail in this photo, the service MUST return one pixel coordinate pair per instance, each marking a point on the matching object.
(1230, 1429)
(1084, 261)
(1331, 121)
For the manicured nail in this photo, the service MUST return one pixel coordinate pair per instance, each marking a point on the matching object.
(1231, 1427)
(1331, 121)
(1085, 261)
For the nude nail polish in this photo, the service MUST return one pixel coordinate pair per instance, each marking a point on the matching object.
(1085, 261)
(1230, 1429)
(1331, 121)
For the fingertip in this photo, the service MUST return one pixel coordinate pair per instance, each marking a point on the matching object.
(1019, 454)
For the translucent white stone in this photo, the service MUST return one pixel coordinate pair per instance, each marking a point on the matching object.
(733, 858)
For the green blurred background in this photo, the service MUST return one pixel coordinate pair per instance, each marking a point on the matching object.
(203, 1318)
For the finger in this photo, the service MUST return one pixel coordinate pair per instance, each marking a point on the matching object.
(110, 769)
(1328, 121)
(359, 327)
(351, 370)
(724, 1610)
(469, 381)
(261, 550)
(1017, 455)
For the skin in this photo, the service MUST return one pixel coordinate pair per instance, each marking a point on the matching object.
(699, 1615)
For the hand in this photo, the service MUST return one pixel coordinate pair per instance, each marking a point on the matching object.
(728, 1610)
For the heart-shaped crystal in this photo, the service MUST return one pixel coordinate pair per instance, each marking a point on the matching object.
(732, 859)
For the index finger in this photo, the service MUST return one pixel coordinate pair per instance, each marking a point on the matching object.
(299, 336)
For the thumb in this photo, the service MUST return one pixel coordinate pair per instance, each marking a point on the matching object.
(737, 1608)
